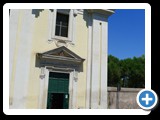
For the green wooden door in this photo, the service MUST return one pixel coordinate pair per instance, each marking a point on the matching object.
(58, 92)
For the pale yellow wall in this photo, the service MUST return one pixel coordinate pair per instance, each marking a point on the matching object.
(40, 44)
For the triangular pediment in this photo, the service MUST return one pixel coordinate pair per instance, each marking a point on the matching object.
(61, 53)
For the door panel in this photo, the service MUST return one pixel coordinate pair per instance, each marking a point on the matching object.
(58, 91)
(58, 85)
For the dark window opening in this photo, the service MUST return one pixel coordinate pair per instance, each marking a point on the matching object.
(62, 24)
(58, 75)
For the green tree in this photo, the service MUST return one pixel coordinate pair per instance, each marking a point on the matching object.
(128, 72)
(125, 71)
(137, 72)
(114, 73)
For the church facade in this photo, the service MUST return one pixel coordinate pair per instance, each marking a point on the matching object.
(57, 58)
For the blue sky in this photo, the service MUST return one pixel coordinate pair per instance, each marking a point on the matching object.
(126, 33)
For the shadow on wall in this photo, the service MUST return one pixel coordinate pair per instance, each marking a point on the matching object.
(86, 18)
(36, 12)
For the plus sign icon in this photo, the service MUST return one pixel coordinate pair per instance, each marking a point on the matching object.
(147, 99)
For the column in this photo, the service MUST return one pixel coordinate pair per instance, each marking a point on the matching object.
(99, 62)
(22, 57)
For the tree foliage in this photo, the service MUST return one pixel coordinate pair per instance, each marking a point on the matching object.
(114, 72)
(127, 72)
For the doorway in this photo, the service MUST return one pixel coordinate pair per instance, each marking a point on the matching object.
(58, 91)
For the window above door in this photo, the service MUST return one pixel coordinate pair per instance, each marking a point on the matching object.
(63, 25)
(61, 28)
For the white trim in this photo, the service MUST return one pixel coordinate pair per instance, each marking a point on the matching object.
(95, 62)
(89, 62)
(41, 87)
(103, 64)
(70, 90)
(54, 16)
(74, 87)
(70, 27)
(50, 24)
(44, 90)
(74, 30)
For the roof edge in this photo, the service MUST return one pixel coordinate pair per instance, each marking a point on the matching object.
(107, 12)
